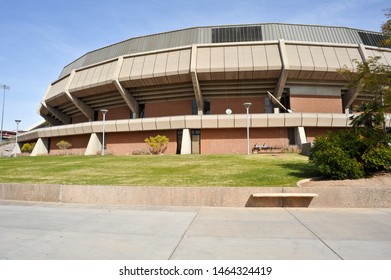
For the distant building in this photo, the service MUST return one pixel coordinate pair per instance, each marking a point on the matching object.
(190, 85)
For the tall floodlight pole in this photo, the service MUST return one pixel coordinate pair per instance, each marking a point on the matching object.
(4, 87)
(104, 111)
(247, 105)
(16, 136)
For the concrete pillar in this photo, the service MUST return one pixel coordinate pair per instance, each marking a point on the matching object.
(16, 150)
(41, 147)
(94, 145)
(186, 142)
(300, 136)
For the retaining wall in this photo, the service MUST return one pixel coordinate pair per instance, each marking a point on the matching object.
(355, 197)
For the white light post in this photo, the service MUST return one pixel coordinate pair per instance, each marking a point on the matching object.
(247, 105)
(16, 137)
(4, 87)
(104, 111)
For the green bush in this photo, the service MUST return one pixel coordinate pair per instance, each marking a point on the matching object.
(351, 153)
(63, 145)
(157, 145)
(28, 147)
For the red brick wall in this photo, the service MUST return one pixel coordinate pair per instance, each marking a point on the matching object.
(79, 119)
(234, 141)
(79, 144)
(168, 108)
(117, 113)
(318, 104)
(125, 143)
(220, 105)
(312, 132)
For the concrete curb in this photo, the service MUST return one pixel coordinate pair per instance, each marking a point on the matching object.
(337, 197)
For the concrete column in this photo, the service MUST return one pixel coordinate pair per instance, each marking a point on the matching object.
(300, 136)
(186, 142)
(16, 150)
(94, 145)
(41, 147)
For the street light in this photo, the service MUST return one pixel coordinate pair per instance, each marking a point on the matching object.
(4, 87)
(247, 105)
(104, 111)
(16, 137)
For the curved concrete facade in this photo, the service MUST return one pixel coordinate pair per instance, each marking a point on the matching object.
(191, 86)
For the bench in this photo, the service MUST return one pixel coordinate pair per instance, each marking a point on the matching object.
(282, 199)
(284, 195)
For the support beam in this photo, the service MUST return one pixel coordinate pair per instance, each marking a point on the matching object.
(128, 98)
(94, 145)
(57, 113)
(352, 95)
(83, 107)
(194, 79)
(284, 70)
(186, 142)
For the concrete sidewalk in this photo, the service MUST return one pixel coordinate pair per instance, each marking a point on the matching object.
(31, 230)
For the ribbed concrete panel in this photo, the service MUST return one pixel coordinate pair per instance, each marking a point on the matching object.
(137, 68)
(178, 122)
(163, 123)
(306, 61)
(184, 61)
(276, 120)
(320, 64)
(274, 61)
(241, 120)
(122, 125)
(309, 119)
(340, 120)
(79, 128)
(126, 69)
(259, 120)
(136, 125)
(193, 122)
(260, 61)
(225, 121)
(294, 61)
(245, 61)
(148, 67)
(70, 129)
(231, 59)
(332, 63)
(149, 124)
(160, 67)
(217, 63)
(344, 57)
(209, 121)
(57, 88)
(324, 120)
(203, 63)
(293, 120)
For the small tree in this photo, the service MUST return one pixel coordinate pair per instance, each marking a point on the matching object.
(157, 145)
(63, 145)
(28, 147)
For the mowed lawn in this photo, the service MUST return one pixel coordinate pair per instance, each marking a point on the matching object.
(163, 170)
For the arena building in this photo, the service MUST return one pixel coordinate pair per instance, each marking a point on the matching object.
(191, 86)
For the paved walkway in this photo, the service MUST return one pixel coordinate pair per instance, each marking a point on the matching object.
(80, 231)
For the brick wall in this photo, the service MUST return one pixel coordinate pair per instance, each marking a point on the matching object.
(318, 104)
(168, 108)
(125, 143)
(220, 105)
(312, 132)
(79, 144)
(234, 141)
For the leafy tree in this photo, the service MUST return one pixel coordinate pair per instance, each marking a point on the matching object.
(386, 28)
(157, 145)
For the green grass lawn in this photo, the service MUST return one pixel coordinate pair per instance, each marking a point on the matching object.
(163, 170)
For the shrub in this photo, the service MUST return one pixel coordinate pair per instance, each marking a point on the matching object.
(351, 153)
(291, 149)
(63, 145)
(28, 147)
(157, 145)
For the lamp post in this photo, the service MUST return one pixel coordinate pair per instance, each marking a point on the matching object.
(247, 105)
(16, 137)
(104, 111)
(4, 87)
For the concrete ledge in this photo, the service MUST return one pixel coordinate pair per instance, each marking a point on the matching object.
(334, 197)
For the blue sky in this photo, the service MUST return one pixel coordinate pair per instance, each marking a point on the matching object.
(39, 37)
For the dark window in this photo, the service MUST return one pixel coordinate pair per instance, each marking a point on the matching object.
(236, 34)
(179, 134)
(141, 109)
(371, 39)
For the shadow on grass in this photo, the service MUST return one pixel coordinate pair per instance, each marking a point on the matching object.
(301, 170)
